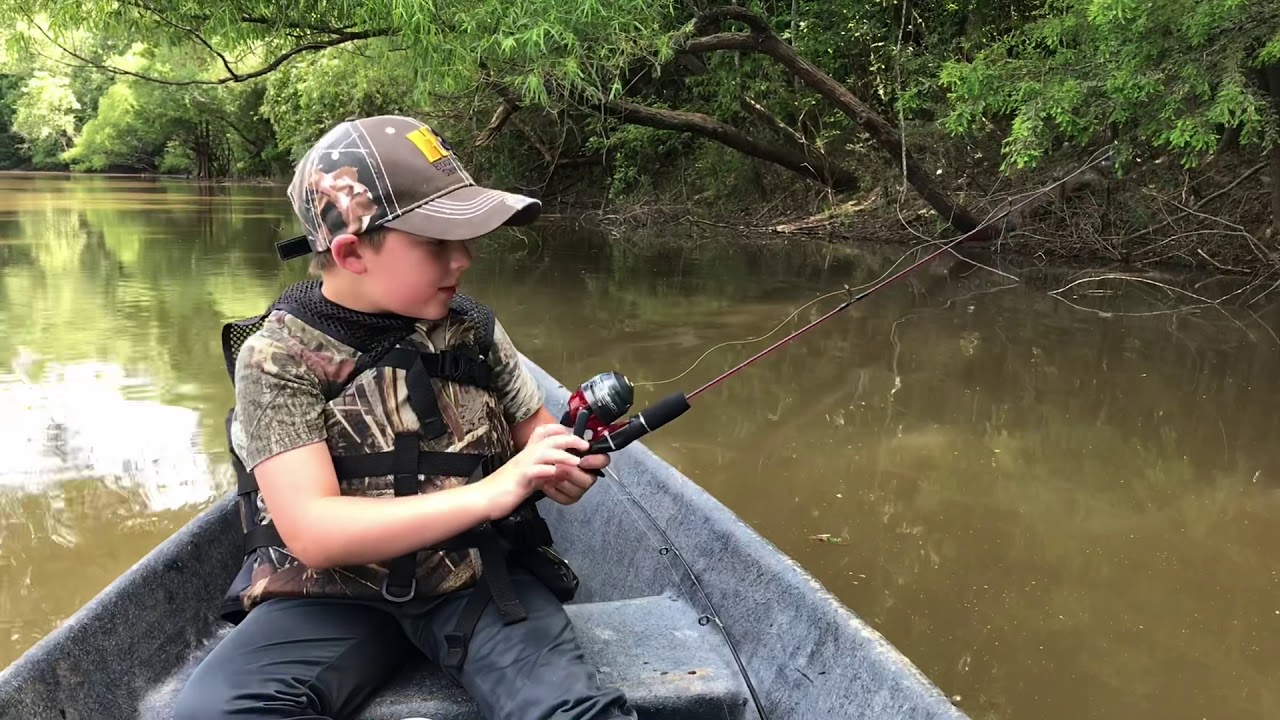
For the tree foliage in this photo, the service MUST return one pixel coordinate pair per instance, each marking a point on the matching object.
(858, 91)
(1176, 76)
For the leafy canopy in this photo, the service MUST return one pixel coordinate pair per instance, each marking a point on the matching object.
(1174, 74)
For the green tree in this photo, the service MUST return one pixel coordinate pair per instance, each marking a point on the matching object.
(1189, 77)
(201, 130)
(12, 154)
(45, 117)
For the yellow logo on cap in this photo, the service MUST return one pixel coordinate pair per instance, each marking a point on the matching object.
(429, 143)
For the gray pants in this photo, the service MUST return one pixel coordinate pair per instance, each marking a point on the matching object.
(316, 658)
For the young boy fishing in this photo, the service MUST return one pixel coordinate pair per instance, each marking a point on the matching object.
(390, 447)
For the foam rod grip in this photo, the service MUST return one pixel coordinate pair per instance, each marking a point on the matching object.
(664, 411)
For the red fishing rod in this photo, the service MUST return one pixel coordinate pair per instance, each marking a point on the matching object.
(600, 401)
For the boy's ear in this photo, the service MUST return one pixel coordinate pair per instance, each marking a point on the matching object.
(347, 253)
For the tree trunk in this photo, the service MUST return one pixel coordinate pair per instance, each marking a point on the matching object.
(504, 112)
(807, 166)
(763, 40)
(201, 149)
(535, 141)
(1273, 86)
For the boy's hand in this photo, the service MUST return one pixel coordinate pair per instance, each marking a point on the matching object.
(537, 467)
(571, 483)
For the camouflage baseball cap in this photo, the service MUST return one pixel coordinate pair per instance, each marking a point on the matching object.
(396, 172)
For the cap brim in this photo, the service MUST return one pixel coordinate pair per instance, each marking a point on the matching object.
(467, 213)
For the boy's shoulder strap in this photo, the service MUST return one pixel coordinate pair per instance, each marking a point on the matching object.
(373, 345)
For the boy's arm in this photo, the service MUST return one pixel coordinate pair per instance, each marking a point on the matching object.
(521, 431)
(326, 529)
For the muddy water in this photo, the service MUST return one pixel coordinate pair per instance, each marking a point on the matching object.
(1058, 506)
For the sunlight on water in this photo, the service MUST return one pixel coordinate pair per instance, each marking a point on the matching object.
(75, 422)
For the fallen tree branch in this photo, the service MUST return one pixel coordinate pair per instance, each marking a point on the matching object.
(810, 168)
(762, 39)
(505, 110)
(1220, 265)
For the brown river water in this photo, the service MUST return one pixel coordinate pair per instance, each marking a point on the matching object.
(1056, 505)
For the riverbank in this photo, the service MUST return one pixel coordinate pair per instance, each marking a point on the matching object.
(1151, 219)
(1158, 232)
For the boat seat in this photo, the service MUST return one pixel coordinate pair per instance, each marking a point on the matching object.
(653, 648)
(670, 667)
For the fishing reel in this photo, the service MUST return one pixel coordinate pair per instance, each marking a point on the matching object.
(600, 401)
(595, 407)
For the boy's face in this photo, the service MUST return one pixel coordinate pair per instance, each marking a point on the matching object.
(413, 275)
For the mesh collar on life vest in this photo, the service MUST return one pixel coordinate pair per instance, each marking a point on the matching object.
(370, 334)
(366, 332)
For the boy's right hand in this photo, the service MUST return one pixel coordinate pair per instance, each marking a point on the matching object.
(531, 469)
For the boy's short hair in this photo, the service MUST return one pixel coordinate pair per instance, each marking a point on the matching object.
(394, 172)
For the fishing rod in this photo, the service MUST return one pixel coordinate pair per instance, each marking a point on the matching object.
(595, 407)
(593, 410)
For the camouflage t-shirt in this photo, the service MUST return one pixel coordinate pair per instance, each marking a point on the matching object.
(287, 369)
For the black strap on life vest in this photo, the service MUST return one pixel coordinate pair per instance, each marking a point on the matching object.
(406, 461)
(402, 581)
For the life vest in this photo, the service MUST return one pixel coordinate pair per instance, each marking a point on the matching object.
(387, 435)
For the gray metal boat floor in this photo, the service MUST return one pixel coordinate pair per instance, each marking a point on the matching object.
(653, 648)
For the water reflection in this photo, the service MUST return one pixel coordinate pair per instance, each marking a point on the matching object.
(1055, 513)
(79, 422)
(111, 292)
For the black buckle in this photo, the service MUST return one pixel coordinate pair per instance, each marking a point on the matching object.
(490, 464)
(456, 644)
(451, 365)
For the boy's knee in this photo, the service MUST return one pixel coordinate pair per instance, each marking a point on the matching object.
(198, 703)
(213, 696)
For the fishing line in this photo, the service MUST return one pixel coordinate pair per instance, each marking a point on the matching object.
(844, 291)
(1098, 156)
(668, 547)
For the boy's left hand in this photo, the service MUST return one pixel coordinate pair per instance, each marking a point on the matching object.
(571, 483)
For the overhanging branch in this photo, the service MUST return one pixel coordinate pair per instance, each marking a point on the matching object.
(339, 38)
(809, 166)
(762, 39)
(190, 31)
(722, 41)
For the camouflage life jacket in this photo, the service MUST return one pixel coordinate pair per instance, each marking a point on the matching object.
(388, 436)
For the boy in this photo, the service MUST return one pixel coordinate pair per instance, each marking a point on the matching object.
(389, 446)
